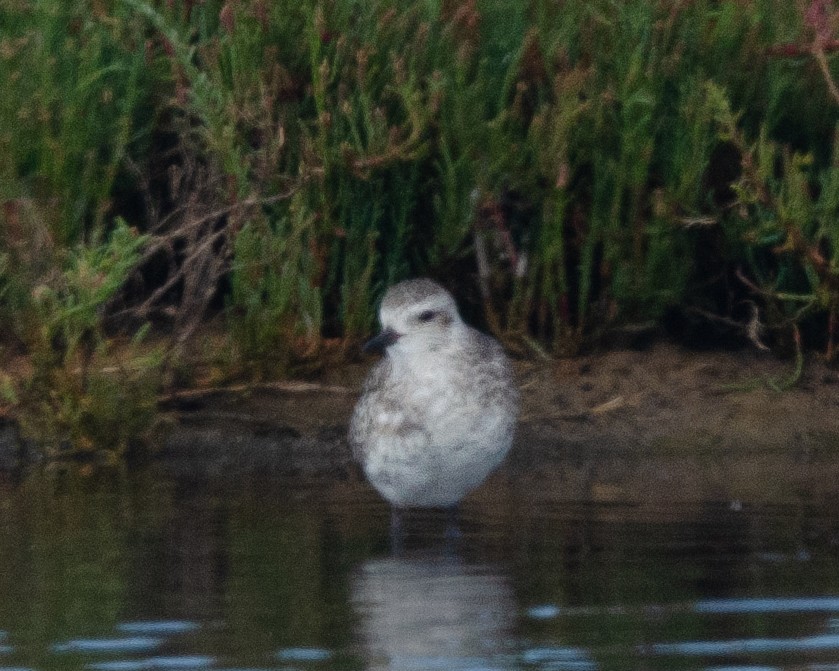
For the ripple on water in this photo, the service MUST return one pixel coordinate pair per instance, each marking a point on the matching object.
(543, 612)
(442, 663)
(175, 662)
(745, 606)
(158, 627)
(558, 658)
(768, 605)
(127, 644)
(119, 665)
(304, 655)
(746, 646)
(182, 662)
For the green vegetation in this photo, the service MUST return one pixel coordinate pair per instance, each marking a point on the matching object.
(272, 166)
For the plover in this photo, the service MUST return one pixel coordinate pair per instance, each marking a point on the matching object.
(438, 412)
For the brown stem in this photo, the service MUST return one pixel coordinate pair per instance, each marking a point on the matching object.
(793, 50)
(818, 51)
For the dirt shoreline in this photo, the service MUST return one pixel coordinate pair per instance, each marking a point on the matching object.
(665, 424)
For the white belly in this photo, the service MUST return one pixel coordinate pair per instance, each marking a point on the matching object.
(435, 468)
(430, 430)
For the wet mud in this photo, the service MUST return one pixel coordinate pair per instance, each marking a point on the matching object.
(646, 427)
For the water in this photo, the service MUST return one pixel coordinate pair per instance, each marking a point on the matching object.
(142, 571)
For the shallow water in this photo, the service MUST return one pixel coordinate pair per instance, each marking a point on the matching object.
(143, 571)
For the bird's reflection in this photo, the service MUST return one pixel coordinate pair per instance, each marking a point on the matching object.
(425, 612)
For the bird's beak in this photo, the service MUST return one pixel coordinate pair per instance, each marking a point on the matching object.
(381, 342)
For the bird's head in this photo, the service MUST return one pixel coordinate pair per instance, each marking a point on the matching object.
(417, 316)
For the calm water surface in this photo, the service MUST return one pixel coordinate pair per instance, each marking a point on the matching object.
(144, 572)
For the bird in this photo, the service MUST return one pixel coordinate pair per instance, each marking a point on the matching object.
(437, 413)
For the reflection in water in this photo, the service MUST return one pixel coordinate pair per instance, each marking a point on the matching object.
(428, 613)
(127, 574)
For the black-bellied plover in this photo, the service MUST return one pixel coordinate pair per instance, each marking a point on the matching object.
(438, 412)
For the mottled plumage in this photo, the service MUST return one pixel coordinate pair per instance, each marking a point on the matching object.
(437, 413)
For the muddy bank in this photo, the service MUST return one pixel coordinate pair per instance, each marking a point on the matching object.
(663, 424)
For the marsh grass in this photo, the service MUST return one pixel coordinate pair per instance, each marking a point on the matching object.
(84, 395)
(75, 88)
(567, 167)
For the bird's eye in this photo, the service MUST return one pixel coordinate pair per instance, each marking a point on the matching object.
(427, 315)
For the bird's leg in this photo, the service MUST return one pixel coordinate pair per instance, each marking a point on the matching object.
(453, 533)
(396, 531)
